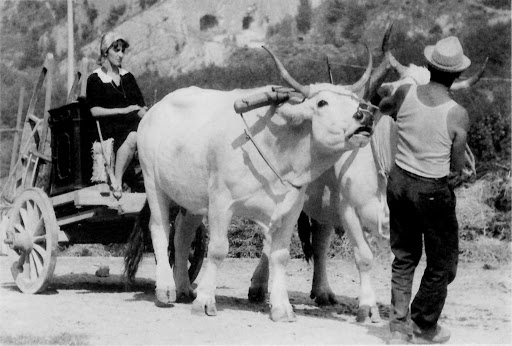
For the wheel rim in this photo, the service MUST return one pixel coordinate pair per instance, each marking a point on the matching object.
(32, 223)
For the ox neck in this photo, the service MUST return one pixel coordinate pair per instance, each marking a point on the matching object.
(288, 150)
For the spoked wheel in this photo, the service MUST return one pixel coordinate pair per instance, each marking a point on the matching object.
(32, 234)
(196, 254)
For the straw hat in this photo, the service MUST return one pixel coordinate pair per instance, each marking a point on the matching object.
(447, 55)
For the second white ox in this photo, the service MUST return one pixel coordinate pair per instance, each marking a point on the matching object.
(194, 152)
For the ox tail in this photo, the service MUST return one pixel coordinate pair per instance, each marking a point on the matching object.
(136, 243)
(305, 230)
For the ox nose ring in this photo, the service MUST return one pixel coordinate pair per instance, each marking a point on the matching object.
(364, 113)
(364, 117)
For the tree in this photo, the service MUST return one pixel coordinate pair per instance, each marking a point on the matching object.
(304, 16)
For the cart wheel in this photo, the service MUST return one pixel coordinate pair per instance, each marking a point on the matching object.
(32, 235)
(197, 252)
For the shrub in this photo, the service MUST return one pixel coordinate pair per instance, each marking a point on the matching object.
(328, 22)
(304, 16)
(498, 4)
(115, 14)
(339, 20)
(92, 12)
(355, 16)
(60, 9)
(208, 21)
(283, 28)
(247, 21)
(146, 3)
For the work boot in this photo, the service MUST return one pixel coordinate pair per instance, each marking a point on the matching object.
(399, 338)
(434, 335)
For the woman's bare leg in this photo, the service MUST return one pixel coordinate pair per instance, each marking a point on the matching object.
(124, 156)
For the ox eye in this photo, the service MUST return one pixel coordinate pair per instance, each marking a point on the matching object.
(322, 103)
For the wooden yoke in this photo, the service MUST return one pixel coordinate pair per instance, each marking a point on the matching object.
(276, 96)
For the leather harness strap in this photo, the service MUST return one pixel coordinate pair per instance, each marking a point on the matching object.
(249, 136)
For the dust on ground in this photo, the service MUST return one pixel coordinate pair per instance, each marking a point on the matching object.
(81, 308)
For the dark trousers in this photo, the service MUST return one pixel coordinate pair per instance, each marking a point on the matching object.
(422, 210)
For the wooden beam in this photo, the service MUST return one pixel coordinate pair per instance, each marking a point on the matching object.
(16, 141)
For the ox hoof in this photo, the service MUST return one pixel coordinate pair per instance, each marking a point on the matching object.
(117, 191)
(366, 312)
(375, 314)
(165, 297)
(283, 314)
(363, 313)
(257, 294)
(199, 309)
(185, 297)
(324, 298)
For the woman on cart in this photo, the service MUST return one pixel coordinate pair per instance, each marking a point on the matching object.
(116, 102)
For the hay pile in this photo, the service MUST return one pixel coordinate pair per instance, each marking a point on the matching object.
(472, 210)
(483, 212)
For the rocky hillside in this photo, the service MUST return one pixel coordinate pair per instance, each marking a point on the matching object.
(173, 36)
(176, 36)
(170, 37)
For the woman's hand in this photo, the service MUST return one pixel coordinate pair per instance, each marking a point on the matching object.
(142, 112)
(132, 108)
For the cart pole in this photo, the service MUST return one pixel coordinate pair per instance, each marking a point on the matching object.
(18, 130)
(71, 46)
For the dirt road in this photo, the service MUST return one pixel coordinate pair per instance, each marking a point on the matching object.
(80, 308)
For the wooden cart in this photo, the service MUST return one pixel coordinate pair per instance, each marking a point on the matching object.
(48, 198)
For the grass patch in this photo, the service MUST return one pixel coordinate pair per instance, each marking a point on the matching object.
(487, 250)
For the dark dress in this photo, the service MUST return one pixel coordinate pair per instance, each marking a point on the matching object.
(102, 92)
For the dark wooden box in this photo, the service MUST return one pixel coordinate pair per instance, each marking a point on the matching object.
(72, 132)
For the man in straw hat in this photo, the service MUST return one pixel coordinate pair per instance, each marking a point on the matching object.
(432, 131)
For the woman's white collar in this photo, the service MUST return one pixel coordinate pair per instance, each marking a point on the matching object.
(105, 78)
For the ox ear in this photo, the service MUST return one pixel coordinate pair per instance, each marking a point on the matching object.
(296, 114)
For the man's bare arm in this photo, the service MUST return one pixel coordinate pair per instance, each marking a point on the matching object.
(458, 127)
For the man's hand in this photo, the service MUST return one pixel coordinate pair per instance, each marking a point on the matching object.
(385, 91)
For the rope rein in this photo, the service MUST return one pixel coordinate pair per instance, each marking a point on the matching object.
(249, 136)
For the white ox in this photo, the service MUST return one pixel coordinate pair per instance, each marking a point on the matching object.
(352, 194)
(194, 152)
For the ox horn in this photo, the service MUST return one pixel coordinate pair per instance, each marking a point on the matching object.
(380, 73)
(356, 87)
(304, 90)
(401, 69)
(385, 39)
(464, 84)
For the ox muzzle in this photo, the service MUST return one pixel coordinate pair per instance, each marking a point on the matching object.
(364, 116)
